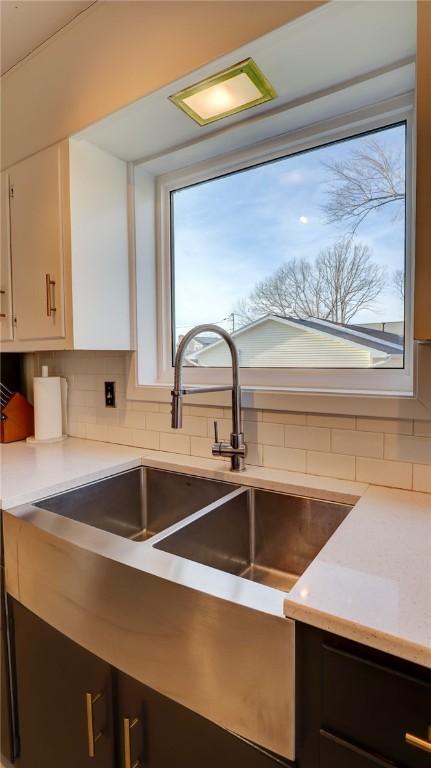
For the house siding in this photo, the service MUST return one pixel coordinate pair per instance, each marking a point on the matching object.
(275, 345)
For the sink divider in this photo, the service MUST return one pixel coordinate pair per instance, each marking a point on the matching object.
(158, 537)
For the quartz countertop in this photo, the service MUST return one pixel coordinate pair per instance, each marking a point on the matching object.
(370, 583)
(30, 472)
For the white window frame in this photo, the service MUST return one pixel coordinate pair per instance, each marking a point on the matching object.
(370, 381)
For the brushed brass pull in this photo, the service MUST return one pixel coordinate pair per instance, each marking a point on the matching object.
(91, 699)
(416, 741)
(50, 295)
(127, 728)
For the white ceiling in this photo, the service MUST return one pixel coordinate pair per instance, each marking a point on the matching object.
(25, 24)
(337, 42)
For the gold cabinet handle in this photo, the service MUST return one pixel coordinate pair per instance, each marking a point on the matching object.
(90, 700)
(128, 725)
(416, 741)
(50, 295)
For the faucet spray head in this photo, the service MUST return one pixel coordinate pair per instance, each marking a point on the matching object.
(177, 409)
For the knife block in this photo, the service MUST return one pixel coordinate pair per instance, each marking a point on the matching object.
(17, 419)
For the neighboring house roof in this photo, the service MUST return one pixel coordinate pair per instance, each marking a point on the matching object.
(205, 341)
(380, 340)
(271, 339)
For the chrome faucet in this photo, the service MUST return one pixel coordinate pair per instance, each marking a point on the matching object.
(236, 449)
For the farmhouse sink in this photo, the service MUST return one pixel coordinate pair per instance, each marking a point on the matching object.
(262, 536)
(137, 504)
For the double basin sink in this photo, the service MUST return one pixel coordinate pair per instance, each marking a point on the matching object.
(190, 600)
(259, 535)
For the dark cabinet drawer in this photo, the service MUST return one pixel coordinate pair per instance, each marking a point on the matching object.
(374, 706)
(336, 753)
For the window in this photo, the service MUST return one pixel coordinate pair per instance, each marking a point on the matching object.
(300, 247)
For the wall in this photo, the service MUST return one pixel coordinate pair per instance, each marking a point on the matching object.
(117, 52)
(380, 451)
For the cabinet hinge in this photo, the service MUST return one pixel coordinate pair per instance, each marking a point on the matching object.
(11, 191)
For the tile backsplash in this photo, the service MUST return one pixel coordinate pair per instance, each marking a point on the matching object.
(388, 452)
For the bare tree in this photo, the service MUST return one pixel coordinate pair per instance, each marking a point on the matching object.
(398, 283)
(371, 178)
(341, 281)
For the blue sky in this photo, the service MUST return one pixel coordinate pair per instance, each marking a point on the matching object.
(233, 231)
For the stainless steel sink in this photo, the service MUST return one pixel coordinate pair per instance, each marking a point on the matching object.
(262, 536)
(139, 503)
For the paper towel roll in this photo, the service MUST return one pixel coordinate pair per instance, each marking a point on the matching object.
(48, 421)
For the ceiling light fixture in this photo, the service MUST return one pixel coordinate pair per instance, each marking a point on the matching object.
(239, 87)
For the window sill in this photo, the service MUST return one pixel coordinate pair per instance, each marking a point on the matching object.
(396, 406)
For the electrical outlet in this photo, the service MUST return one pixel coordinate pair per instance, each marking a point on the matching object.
(110, 394)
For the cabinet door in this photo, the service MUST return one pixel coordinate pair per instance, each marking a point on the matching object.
(64, 699)
(336, 753)
(6, 319)
(37, 245)
(160, 733)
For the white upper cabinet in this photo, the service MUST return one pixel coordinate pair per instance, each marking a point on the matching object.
(36, 216)
(68, 249)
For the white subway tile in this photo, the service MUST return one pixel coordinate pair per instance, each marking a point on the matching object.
(201, 446)
(317, 438)
(83, 414)
(422, 428)
(421, 478)
(135, 420)
(263, 432)
(390, 426)
(204, 411)
(97, 431)
(408, 448)
(120, 435)
(284, 458)
(137, 405)
(143, 438)
(395, 474)
(108, 415)
(175, 442)
(248, 414)
(82, 381)
(193, 425)
(77, 429)
(254, 455)
(224, 428)
(331, 465)
(282, 417)
(338, 422)
(159, 422)
(114, 365)
(356, 443)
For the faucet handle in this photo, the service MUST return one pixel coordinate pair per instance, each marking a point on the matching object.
(216, 440)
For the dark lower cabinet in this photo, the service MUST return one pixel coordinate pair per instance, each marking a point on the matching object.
(160, 733)
(337, 753)
(75, 711)
(64, 699)
(358, 707)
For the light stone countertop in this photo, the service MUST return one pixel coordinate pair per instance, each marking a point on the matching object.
(370, 583)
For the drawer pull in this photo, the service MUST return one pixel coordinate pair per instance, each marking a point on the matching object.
(90, 700)
(416, 741)
(127, 727)
(50, 295)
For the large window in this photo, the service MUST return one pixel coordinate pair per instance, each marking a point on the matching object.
(301, 258)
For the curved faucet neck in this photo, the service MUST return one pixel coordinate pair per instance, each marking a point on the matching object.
(185, 341)
(236, 390)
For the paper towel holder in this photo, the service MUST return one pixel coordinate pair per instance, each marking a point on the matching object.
(33, 440)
